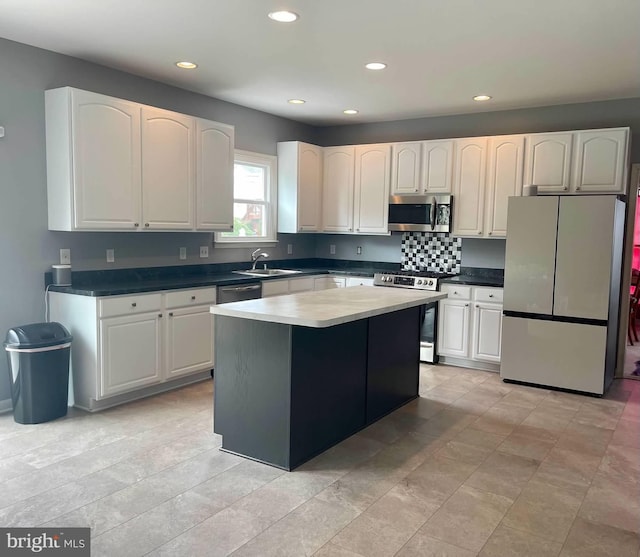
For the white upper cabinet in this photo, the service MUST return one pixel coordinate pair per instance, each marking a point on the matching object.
(469, 186)
(588, 161)
(299, 187)
(168, 169)
(214, 175)
(371, 194)
(437, 166)
(337, 189)
(599, 165)
(548, 161)
(406, 160)
(118, 165)
(504, 179)
(421, 167)
(93, 161)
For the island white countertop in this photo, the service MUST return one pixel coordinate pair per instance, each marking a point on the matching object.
(325, 308)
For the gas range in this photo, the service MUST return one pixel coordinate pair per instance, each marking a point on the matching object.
(423, 280)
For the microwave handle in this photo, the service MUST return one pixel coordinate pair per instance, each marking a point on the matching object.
(434, 212)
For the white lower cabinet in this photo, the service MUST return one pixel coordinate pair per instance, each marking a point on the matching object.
(301, 284)
(130, 353)
(470, 326)
(358, 281)
(125, 345)
(326, 282)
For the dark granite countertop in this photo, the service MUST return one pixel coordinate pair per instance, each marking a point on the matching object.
(131, 281)
(478, 276)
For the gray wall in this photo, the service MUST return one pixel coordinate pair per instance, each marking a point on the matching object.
(374, 248)
(604, 114)
(27, 248)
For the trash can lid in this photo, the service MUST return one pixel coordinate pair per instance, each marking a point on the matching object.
(37, 335)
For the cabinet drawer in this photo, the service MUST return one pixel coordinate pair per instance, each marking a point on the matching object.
(359, 281)
(127, 305)
(192, 297)
(493, 295)
(275, 287)
(456, 292)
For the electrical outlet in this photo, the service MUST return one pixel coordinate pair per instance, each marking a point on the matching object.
(111, 255)
(289, 249)
(359, 250)
(65, 257)
(332, 249)
(204, 251)
(183, 253)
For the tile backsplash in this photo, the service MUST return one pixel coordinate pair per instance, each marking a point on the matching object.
(434, 251)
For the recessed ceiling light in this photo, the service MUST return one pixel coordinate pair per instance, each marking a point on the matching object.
(283, 16)
(376, 66)
(296, 101)
(481, 98)
(350, 111)
(186, 65)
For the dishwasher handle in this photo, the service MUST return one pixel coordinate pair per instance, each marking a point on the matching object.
(241, 288)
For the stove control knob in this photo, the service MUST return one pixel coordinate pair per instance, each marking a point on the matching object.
(430, 282)
(418, 281)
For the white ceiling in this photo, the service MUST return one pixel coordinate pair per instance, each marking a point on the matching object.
(440, 53)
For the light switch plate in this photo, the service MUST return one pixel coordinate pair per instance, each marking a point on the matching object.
(65, 256)
(332, 249)
(1, 131)
(204, 251)
(359, 250)
(183, 253)
(289, 249)
(111, 256)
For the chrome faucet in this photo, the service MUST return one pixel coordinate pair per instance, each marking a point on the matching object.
(257, 254)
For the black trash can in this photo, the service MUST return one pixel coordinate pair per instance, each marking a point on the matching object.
(38, 371)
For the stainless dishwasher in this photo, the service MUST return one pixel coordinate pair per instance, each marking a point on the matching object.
(238, 293)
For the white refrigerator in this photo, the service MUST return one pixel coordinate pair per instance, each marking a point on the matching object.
(562, 291)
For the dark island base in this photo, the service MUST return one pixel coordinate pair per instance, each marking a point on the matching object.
(285, 393)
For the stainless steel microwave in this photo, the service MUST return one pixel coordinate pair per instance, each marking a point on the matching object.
(420, 213)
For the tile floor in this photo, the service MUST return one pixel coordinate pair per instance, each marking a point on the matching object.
(473, 467)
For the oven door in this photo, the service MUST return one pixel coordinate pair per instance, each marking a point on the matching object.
(428, 333)
(420, 213)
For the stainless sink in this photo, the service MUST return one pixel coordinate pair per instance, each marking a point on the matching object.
(267, 272)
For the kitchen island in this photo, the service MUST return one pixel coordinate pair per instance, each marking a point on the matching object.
(296, 374)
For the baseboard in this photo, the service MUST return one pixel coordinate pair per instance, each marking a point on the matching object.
(6, 405)
(471, 364)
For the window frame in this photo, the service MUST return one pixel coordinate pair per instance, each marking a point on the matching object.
(270, 163)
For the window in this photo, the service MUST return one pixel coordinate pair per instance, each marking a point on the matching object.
(254, 197)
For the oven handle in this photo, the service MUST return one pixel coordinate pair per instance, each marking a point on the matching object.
(434, 211)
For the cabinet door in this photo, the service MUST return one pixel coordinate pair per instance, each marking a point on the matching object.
(189, 341)
(309, 187)
(214, 176)
(437, 166)
(275, 287)
(506, 156)
(599, 162)
(302, 284)
(130, 352)
(337, 189)
(371, 210)
(106, 162)
(487, 332)
(453, 329)
(405, 168)
(468, 187)
(547, 161)
(168, 166)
